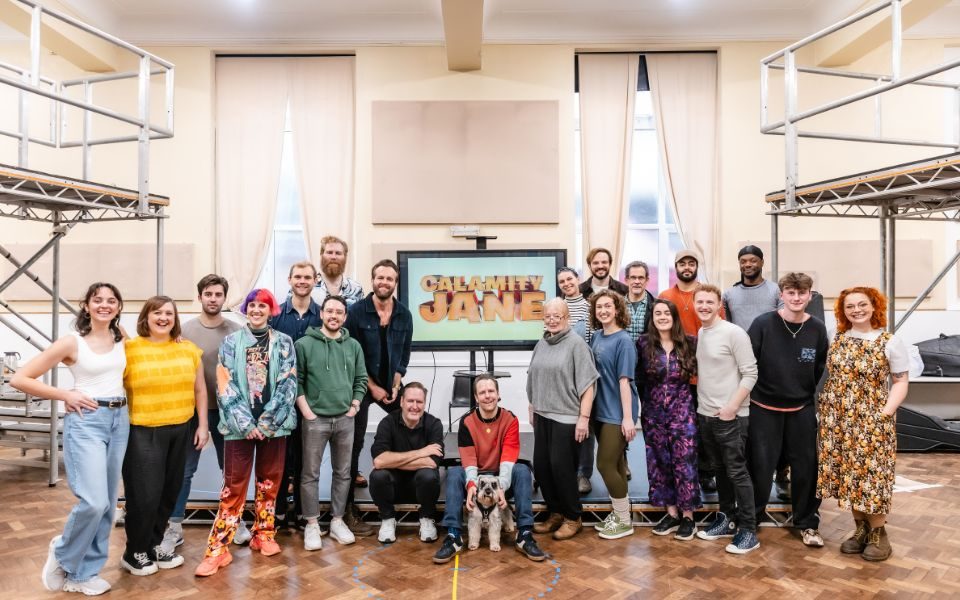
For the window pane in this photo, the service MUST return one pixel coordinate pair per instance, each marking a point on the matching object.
(641, 244)
(288, 247)
(577, 257)
(644, 178)
(288, 192)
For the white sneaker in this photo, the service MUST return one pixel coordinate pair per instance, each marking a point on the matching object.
(311, 537)
(428, 530)
(340, 532)
(243, 535)
(53, 576)
(91, 587)
(172, 537)
(388, 531)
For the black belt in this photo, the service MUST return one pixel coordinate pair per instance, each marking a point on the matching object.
(112, 403)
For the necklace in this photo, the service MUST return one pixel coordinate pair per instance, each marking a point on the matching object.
(790, 331)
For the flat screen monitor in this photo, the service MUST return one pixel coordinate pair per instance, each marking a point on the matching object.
(478, 299)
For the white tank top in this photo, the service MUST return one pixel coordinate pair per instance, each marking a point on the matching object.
(99, 375)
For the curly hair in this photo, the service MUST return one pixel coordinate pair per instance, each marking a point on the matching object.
(684, 346)
(879, 302)
(83, 324)
(619, 307)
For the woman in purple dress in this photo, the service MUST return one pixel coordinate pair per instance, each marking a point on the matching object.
(667, 359)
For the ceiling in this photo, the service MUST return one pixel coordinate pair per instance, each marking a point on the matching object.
(361, 22)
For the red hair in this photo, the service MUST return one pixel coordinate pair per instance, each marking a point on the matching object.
(261, 295)
(879, 318)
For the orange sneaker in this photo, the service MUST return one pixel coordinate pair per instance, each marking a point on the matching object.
(211, 564)
(266, 546)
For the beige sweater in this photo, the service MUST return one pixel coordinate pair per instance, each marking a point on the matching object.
(725, 361)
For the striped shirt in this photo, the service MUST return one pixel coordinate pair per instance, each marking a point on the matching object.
(579, 309)
(159, 380)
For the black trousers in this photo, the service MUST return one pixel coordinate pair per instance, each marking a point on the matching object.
(556, 455)
(725, 446)
(152, 476)
(390, 486)
(360, 430)
(794, 436)
(288, 497)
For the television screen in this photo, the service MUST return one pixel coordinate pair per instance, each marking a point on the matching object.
(478, 299)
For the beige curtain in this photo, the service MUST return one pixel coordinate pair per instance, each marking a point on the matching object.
(608, 91)
(322, 113)
(251, 101)
(684, 90)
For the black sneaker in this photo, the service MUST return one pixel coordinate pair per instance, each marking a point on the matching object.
(138, 563)
(721, 527)
(687, 529)
(165, 560)
(452, 545)
(527, 546)
(667, 525)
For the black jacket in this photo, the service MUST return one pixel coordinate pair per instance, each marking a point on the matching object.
(363, 323)
(586, 288)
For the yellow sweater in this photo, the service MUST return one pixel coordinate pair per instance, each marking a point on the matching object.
(159, 379)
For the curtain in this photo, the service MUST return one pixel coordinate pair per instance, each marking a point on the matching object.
(684, 88)
(322, 113)
(251, 100)
(608, 91)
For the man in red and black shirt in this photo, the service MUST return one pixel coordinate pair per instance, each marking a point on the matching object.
(489, 443)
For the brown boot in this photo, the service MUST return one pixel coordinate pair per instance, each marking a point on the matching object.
(358, 526)
(568, 529)
(878, 545)
(858, 541)
(550, 525)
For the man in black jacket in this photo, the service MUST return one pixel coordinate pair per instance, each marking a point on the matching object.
(384, 328)
(599, 260)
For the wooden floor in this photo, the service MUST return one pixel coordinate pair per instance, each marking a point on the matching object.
(925, 531)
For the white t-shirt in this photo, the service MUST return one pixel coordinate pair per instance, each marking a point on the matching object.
(896, 349)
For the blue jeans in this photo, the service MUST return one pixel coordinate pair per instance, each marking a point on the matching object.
(93, 448)
(521, 492)
(193, 459)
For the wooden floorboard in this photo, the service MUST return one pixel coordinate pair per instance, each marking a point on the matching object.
(924, 529)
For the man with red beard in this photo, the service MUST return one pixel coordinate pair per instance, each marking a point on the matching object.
(384, 328)
(333, 280)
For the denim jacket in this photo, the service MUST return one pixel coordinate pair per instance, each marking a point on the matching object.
(363, 323)
(279, 415)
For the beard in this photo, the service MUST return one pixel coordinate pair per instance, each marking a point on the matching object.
(383, 294)
(212, 311)
(331, 268)
(600, 273)
(682, 276)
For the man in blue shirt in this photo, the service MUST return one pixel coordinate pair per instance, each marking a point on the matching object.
(296, 314)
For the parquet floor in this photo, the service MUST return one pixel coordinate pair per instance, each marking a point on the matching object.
(925, 531)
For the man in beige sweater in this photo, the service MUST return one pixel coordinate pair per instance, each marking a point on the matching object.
(727, 371)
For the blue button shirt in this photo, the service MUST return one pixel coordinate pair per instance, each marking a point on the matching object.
(292, 323)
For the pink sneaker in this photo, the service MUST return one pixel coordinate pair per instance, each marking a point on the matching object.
(266, 546)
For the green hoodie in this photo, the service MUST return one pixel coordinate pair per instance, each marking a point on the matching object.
(330, 373)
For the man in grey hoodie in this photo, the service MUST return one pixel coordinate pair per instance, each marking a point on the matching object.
(331, 382)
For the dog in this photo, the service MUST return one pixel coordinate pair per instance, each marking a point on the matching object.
(487, 510)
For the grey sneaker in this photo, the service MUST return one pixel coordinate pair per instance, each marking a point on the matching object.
(172, 537)
(91, 587)
(615, 529)
(243, 535)
(583, 485)
(53, 575)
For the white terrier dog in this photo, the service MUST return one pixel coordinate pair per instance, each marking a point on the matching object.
(487, 511)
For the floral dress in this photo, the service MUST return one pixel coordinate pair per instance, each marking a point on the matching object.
(858, 443)
(669, 422)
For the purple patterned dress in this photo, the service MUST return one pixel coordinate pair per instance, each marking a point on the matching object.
(668, 418)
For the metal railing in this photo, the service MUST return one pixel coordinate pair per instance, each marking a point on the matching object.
(29, 81)
(788, 126)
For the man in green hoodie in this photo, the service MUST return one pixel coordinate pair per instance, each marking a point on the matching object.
(331, 382)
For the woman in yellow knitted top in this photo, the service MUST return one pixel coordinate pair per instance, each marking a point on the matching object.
(164, 384)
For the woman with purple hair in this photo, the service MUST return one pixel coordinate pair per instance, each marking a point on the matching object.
(256, 391)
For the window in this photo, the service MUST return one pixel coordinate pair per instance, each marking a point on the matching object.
(651, 234)
(288, 242)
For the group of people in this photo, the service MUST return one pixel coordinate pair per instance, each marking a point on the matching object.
(735, 397)
(726, 387)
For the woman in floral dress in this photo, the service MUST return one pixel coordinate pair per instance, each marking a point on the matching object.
(667, 361)
(858, 437)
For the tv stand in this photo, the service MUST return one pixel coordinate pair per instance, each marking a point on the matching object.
(463, 384)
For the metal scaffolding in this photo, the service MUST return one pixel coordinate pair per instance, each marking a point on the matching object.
(64, 202)
(925, 190)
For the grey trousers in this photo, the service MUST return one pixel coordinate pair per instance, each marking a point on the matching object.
(339, 432)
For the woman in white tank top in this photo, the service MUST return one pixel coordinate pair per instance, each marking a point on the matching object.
(95, 432)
